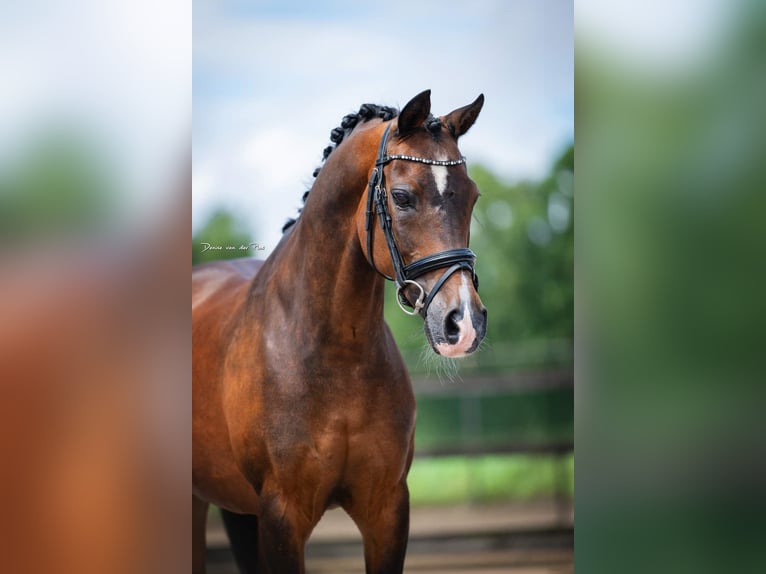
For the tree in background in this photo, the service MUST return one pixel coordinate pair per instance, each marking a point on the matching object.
(524, 237)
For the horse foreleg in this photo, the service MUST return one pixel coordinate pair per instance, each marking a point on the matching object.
(242, 530)
(385, 525)
(199, 523)
(282, 535)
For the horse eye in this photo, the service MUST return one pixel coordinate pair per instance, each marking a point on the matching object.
(401, 199)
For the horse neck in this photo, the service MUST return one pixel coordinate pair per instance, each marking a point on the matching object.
(326, 283)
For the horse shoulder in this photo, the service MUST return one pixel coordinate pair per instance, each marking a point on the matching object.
(219, 292)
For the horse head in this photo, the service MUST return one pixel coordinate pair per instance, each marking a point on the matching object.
(422, 198)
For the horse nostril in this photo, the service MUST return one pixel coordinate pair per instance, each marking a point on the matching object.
(451, 327)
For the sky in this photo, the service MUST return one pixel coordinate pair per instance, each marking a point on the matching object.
(114, 74)
(271, 79)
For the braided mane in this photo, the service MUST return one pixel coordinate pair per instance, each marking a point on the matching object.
(348, 123)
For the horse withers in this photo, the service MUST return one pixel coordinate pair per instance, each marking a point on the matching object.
(301, 400)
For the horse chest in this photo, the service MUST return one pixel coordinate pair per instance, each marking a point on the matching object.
(340, 435)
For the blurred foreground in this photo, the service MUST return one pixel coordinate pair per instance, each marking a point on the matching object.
(671, 133)
(94, 367)
(94, 321)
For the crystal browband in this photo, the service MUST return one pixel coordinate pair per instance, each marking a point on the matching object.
(445, 162)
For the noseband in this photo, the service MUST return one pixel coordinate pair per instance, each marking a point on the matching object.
(453, 259)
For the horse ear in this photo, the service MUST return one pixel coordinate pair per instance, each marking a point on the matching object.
(460, 120)
(415, 112)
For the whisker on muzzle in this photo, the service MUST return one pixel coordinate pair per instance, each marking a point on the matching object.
(446, 369)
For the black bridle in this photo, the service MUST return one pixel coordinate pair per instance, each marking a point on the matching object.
(453, 259)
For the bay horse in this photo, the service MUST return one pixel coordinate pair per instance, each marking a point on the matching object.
(301, 400)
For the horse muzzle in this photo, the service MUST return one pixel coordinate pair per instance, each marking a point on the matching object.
(456, 329)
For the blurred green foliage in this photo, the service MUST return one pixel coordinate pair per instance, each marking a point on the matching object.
(523, 235)
(59, 184)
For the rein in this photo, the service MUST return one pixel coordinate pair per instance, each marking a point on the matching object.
(377, 203)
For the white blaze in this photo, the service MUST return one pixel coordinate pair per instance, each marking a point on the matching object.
(465, 298)
(440, 176)
(467, 333)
